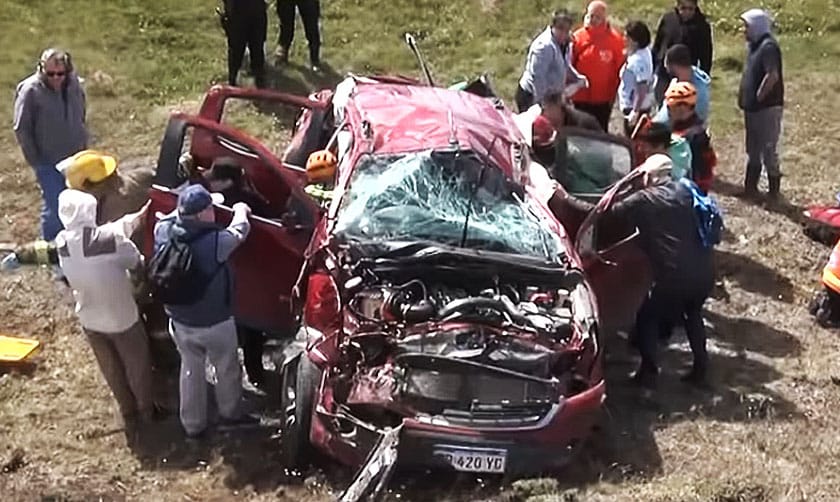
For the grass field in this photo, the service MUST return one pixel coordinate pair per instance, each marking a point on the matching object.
(767, 431)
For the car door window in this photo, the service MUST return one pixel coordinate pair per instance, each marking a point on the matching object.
(587, 164)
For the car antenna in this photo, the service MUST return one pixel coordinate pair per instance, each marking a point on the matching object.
(412, 44)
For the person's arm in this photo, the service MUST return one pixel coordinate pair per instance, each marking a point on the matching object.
(640, 94)
(658, 42)
(128, 255)
(235, 233)
(24, 125)
(706, 50)
(539, 63)
(770, 61)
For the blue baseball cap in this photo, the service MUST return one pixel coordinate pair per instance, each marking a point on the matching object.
(195, 199)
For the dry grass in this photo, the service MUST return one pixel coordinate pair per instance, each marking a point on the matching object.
(767, 431)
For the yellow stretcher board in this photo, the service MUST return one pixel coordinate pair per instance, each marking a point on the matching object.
(15, 350)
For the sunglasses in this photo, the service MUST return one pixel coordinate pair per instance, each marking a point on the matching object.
(56, 73)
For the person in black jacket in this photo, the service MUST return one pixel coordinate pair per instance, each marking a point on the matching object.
(686, 25)
(245, 23)
(669, 235)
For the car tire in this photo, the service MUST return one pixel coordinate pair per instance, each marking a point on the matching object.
(297, 402)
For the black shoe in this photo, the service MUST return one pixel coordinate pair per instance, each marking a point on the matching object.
(244, 421)
(695, 378)
(196, 438)
(644, 378)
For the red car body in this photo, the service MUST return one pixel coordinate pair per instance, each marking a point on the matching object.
(517, 381)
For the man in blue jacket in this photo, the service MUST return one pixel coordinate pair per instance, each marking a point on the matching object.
(206, 329)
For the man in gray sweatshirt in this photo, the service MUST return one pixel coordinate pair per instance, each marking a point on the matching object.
(761, 97)
(49, 125)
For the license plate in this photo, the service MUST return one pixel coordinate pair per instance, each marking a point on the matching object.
(474, 459)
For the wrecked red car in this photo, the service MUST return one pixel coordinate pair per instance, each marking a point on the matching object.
(442, 311)
(442, 299)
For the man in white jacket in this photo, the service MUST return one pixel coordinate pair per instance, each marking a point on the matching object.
(97, 261)
(548, 68)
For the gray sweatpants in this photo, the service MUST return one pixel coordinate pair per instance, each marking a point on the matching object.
(763, 132)
(196, 344)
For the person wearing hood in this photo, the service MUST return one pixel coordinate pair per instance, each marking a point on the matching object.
(205, 329)
(687, 25)
(598, 54)
(761, 96)
(49, 125)
(97, 262)
(548, 68)
(679, 66)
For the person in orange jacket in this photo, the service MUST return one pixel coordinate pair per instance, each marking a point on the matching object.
(598, 54)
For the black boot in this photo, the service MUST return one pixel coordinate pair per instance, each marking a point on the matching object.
(751, 180)
(775, 183)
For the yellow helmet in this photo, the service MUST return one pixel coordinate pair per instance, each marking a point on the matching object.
(87, 165)
(321, 166)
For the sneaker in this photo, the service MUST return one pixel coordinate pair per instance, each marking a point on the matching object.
(244, 421)
(281, 55)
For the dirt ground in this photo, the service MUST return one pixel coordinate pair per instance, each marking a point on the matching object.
(767, 430)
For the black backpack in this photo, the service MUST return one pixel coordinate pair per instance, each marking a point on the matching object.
(174, 275)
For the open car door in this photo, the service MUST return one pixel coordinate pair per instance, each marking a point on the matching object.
(267, 264)
(615, 265)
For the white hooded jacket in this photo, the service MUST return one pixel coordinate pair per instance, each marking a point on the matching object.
(96, 262)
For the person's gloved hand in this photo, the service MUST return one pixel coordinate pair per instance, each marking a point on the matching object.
(10, 262)
(241, 206)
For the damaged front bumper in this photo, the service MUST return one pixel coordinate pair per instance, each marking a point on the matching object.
(436, 442)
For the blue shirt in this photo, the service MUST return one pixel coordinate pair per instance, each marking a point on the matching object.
(702, 82)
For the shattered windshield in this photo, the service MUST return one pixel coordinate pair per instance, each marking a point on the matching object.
(450, 198)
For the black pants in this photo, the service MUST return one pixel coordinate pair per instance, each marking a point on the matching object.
(252, 343)
(524, 99)
(601, 112)
(310, 13)
(247, 31)
(674, 306)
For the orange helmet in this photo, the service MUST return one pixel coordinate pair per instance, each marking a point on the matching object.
(681, 93)
(321, 166)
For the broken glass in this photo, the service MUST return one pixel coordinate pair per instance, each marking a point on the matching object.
(451, 198)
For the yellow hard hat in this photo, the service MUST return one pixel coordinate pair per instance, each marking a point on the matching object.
(320, 166)
(87, 165)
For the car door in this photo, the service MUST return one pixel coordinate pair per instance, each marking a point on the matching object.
(267, 264)
(281, 107)
(616, 267)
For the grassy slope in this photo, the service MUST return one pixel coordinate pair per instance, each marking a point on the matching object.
(142, 57)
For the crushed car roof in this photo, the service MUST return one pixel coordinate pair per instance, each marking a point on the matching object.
(408, 118)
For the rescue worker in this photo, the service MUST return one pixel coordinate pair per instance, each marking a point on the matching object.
(635, 96)
(670, 235)
(681, 100)
(50, 124)
(118, 192)
(245, 23)
(310, 16)
(97, 261)
(761, 97)
(678, 64)
(205, 330)
(598, 54)
(227, 177)
(685, 24)
(547, 67)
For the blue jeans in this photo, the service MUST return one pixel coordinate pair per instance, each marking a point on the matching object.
(52, 183)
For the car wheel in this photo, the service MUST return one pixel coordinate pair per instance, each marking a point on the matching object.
(300, 383)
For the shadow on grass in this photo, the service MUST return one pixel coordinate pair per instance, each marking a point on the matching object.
(782, 207)
(753, 276)
(622, 446)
